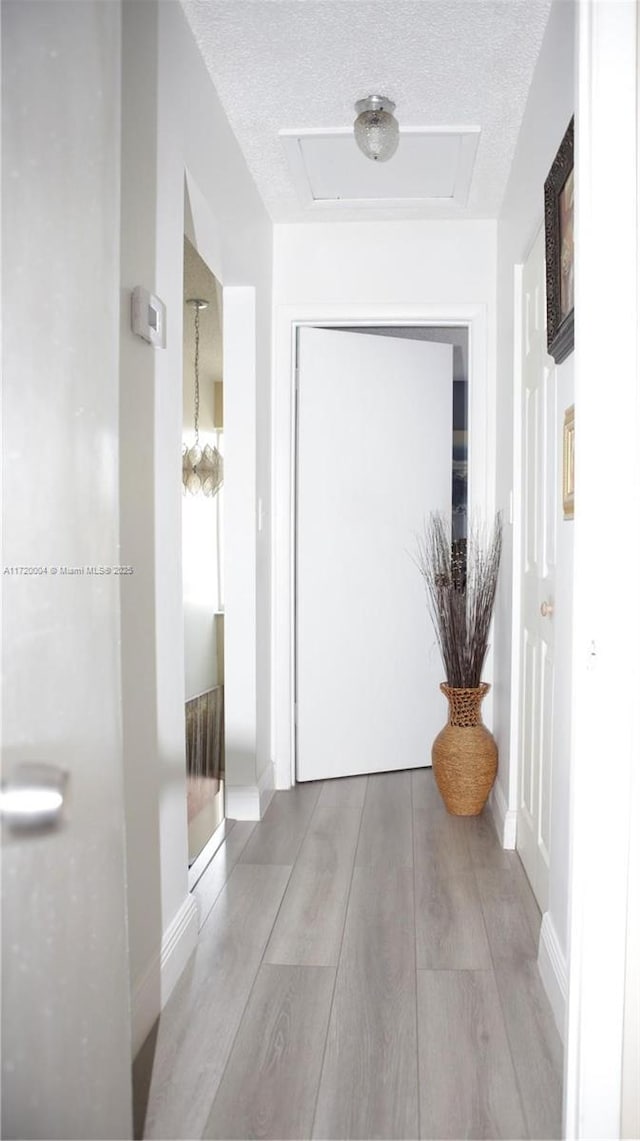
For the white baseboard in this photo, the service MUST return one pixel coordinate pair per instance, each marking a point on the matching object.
(553, 971)
(504, 818)
(250, 801)
(266, 785)
(153, 990)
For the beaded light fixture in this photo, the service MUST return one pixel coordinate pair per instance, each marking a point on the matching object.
(202, 468)
(376, 131)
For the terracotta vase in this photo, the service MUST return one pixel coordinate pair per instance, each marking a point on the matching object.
(464, 754)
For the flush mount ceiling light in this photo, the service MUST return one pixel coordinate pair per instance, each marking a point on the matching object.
(202, 468)
(376, 131)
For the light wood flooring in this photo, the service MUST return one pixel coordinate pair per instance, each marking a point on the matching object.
(366, 969)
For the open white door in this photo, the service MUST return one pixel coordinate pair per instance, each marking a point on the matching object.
(66, 1031)
(374, 458)
(537, 661)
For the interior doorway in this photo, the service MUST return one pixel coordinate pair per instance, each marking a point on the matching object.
(538, 557)
(382, 440)
(202, 556)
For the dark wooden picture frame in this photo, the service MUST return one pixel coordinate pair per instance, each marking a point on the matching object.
(559, 248)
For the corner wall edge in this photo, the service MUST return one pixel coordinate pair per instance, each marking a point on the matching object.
(504, 818)
(156, 984)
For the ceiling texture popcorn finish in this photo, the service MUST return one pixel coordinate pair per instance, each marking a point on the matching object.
(299, 64)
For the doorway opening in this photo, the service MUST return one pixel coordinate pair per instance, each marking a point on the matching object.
(382, 440)
(202, 558)
(481, 463)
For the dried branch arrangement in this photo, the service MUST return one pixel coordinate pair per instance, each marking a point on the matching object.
(460, 583)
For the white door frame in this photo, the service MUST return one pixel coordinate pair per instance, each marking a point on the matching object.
(481, 470)
(240, 540)
(511, 809)
(518, 561)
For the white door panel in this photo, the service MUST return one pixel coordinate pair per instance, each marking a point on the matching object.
(374, 457)
(540, 490)
(66, 1032)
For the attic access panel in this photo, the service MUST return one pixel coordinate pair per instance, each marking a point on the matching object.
(431, 165)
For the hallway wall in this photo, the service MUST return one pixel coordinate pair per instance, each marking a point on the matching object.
(174, 129)
(395, 262)
(549, 108)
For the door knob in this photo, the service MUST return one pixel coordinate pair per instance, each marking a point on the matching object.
(33, 796)
(546, 609)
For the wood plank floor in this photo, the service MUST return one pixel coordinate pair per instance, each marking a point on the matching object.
(366, 969)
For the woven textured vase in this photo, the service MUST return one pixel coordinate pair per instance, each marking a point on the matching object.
(464, 754)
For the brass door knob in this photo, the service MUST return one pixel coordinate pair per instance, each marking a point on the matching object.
(546, 609)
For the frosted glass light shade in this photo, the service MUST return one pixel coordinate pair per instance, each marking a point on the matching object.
(376, 131)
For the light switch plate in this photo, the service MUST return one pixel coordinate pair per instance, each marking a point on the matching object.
(148, 316)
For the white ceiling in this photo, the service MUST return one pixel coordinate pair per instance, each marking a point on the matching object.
(291, 64)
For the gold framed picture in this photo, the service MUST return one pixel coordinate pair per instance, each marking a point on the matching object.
(568, 462)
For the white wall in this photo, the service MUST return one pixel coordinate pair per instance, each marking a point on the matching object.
(393, 262)
(165, 83)
(630, 1115)
(549, 108)
(382, 272)
(66, 1050)
(630, 1123)
(606, 668)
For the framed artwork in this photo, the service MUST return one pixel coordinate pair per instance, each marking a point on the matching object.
(559, 249)
(567, 462)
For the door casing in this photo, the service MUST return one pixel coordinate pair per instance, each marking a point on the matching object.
(533, 820)
(481, 472)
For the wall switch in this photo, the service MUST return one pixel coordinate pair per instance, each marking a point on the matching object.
(148, 316)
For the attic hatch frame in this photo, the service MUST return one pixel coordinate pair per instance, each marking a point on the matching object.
(444, 207)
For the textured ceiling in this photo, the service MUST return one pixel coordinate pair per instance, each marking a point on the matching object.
(291, 64)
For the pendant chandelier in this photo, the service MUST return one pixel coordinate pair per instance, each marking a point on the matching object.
(202, 468)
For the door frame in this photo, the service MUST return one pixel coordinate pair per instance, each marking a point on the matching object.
(511, 809)
(517, 500)
(288, 319)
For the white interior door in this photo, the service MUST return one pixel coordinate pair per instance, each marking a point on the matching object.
(537, 660)
(374, 457)
(66, 1030)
